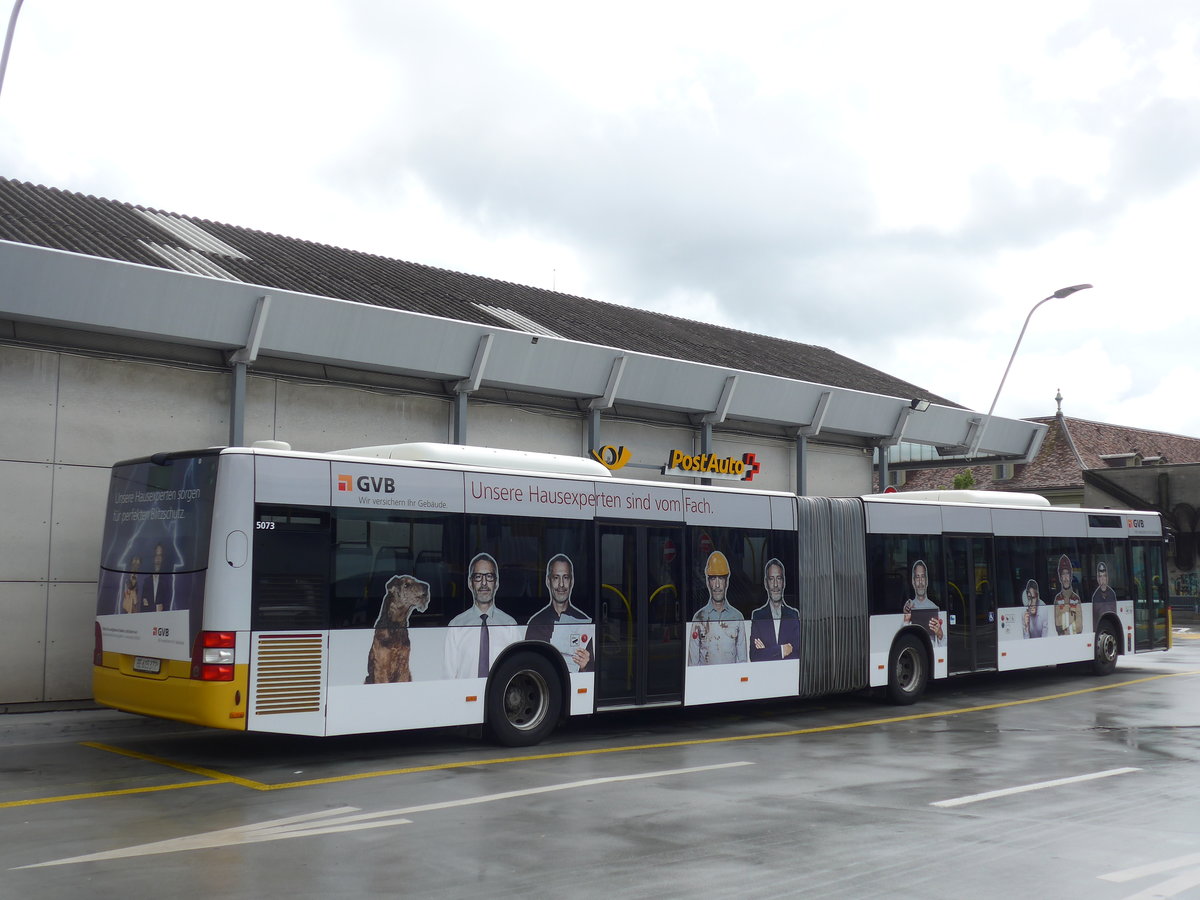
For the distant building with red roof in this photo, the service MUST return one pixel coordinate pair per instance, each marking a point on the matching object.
(1095, 464)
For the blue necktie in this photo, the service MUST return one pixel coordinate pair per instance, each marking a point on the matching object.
(483, 646)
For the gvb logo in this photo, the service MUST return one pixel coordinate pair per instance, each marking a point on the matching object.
(367, 484)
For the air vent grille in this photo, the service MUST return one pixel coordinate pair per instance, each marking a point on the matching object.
(289, 673)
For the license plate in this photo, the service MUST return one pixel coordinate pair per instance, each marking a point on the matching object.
(148, 664)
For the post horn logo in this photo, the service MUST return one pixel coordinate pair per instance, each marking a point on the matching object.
(612, 458)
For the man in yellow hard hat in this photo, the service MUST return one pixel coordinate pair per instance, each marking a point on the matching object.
(718, 632)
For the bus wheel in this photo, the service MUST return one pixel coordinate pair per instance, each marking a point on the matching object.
(908, 671)
(523, 700)
(1105, 661)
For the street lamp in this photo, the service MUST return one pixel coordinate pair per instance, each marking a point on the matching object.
(8, 38)
(1057, 295)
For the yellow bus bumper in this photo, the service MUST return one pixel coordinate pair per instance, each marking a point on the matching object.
(172, 694)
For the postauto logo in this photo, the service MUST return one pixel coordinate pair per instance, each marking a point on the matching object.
(367, 484)
(713, 466)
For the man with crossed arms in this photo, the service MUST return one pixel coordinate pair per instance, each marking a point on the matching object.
(774, 626)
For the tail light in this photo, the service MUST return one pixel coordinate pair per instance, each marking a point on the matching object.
(98, 648)
(212, 656)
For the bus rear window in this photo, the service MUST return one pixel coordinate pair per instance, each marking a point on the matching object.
(156, 532)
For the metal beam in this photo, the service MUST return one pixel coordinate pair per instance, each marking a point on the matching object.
(717, 416)
(610, 390)
(901, 424)
(460, 417)
(801, 465)
(813, 428)
(471, 383)
(249, 353)
(241, 361)
(593, 430)
(237, 406)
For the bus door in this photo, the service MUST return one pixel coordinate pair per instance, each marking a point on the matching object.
(1149, 597)
(970, 605)
(640, 624)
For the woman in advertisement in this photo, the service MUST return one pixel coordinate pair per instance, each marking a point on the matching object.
(1034, 620)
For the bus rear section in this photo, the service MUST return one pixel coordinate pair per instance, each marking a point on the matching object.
(990, 583)
(151, 654)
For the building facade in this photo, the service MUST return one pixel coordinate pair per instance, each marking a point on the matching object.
(125, 331)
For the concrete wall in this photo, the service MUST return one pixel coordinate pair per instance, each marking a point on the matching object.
(516, 428)
(68, 416)
(336, 417)
(839, 471)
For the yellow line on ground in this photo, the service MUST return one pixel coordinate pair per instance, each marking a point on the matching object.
(37, 801)
(216, 777)
(437, 767)
(194, 770)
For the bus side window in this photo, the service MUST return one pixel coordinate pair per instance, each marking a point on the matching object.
(291, 569)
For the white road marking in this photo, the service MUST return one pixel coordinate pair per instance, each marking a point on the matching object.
(1165, 865)
(1004, 792)
(340, 820)
(1172, 887)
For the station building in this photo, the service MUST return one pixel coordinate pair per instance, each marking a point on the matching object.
(126, 330)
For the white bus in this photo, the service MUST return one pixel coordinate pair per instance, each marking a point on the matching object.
(415, 586)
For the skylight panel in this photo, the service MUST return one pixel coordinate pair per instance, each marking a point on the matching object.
(516, 320)
(188, 261)
(190, 233)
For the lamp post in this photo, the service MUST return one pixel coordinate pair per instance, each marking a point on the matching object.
(8, 38)
(1057, 295)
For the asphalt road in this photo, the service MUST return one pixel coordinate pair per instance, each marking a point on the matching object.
(1043, 784)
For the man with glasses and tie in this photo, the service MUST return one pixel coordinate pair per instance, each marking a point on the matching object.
(478, 635)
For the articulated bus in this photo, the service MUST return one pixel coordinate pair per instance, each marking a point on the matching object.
(422, 585)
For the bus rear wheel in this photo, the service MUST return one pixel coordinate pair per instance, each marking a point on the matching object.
(908, 671)
(523, 700)
(1107, 648)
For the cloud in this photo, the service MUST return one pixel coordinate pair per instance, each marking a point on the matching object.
(1159, 149)
(897, 183)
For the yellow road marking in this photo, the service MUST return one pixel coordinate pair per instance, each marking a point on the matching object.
(37, 801)
(819, 729)
(216, 777)
(194, 770)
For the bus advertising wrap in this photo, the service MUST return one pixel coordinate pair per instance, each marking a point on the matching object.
(154, 555)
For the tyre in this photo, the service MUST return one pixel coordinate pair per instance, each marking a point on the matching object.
(1107, 648)
(524, 699)
(908, 670)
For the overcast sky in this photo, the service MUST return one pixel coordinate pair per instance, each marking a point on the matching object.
(900, 182)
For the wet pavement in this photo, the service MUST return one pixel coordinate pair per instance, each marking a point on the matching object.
(1042, 783)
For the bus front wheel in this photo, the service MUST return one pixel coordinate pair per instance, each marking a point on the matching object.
(523, 700)
(908, 671)
(1107, 648)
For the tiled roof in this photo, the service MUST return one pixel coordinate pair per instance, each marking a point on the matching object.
(1070, 447)
(48, 217)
